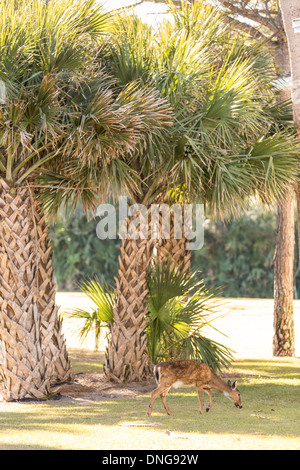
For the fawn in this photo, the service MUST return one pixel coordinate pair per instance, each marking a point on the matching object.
(190, 373)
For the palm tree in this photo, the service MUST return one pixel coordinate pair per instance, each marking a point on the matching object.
(284, 328)
(38, 52)
(151, 119)
(225, 146)
(63, 121)
(267, 22)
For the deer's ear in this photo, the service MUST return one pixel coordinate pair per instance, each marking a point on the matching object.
(233, 386)
(229, 383)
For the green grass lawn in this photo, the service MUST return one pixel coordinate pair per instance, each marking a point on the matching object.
(269, 419)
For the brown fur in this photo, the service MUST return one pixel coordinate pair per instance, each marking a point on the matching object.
(190, 373)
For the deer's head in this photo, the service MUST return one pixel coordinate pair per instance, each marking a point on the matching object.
(234, 394)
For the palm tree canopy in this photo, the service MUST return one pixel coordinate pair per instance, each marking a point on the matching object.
(63, 119)
(188, 107)
(227, 143)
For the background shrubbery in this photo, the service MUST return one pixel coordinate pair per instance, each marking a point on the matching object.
(79, 254)
(236, 256)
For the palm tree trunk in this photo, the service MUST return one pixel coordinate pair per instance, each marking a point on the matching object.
(283, 314)
(53, 342)
(127, 354)
(284, 331)
(298, 220)
(174, 248)
(291, 10)
(22, 365)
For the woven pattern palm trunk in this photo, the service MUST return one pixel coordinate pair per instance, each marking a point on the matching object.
(58, 365)
(174, 249)
(127, 354)
(22, 365)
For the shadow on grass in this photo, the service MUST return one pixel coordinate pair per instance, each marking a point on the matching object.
(278, 367)
(270, 398)
(268, 410)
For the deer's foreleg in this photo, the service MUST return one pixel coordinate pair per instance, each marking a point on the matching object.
(158, 391)
(163, 397)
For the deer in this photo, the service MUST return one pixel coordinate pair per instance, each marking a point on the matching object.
(191, 373)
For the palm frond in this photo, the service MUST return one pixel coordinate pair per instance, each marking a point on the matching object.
(165, 283)
(179, 308)
(102, 296)
(176, 320)
(130, 49)
(202, 21)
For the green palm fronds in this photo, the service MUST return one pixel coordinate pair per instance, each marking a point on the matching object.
(131, 49)
(227, 116)
(180, 307)
(100, 293)
(93, 321)
(66, 124)
(42, 46)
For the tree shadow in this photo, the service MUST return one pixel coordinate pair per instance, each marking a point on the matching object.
(270, 398)
(271, 410)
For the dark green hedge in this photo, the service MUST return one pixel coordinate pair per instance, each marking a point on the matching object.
(236, 257)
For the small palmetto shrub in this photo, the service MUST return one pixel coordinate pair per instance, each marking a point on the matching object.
(179, 308)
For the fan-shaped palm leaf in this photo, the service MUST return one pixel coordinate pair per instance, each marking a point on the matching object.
(103, 298)
(179, 308)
